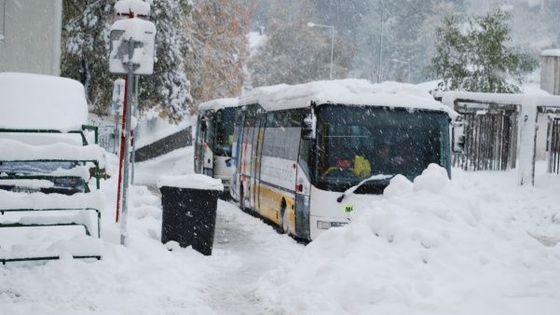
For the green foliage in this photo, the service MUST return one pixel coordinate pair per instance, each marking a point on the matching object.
(168, 88)
(85, 54)
(479, 58)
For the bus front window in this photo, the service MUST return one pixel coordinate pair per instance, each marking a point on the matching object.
(355, 143)
(224, 131)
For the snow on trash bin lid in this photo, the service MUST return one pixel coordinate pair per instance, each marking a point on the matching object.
(191, 181)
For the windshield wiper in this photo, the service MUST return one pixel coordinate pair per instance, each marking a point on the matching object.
(352, 189)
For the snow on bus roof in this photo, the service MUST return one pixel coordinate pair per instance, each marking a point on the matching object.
(348, 91)
(33, 101)
(219, 103)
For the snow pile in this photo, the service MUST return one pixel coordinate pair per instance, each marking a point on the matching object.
(191, 181)
(32, 101)
(423, 248)
(434, 179)
(348, 91)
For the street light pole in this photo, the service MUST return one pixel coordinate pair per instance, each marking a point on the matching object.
(332, 29)
(380, 70)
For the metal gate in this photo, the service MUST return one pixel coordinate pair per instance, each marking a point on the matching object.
(490, 140)
(553, 144)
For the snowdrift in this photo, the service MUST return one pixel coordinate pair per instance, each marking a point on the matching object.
(424, 248)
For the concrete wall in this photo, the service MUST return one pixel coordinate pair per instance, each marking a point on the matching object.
(32, 36)
(550, 74)
(163, 146)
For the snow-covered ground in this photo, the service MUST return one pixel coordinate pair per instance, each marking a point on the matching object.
(476, 245)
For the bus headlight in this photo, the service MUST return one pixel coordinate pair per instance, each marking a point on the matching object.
(325, 225)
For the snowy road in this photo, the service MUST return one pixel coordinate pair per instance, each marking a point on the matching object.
(254, 249)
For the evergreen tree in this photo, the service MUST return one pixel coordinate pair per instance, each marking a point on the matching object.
(479, 59)
(168, 88)
(85, 55)
(86, 50)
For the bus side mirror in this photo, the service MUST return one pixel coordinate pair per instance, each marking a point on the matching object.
(309, 130)
(458, 135)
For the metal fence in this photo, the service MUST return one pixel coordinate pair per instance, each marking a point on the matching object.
(490, 139)
(108, 140)
(553, 144)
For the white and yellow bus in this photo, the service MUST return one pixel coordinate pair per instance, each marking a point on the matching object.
(307, 156)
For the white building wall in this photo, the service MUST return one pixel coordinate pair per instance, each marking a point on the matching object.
(31, 36)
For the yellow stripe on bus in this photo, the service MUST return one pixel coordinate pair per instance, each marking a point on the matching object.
(270, 201)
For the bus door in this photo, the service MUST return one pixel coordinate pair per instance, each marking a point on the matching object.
(257, 157)
(246, 158)
(198, 145)
(236, 153)
(208, 134)
(303, 190)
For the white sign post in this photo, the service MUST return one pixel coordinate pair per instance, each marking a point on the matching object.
(132, 53)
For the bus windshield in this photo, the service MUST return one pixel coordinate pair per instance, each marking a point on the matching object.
(355, 143)
(225, 119)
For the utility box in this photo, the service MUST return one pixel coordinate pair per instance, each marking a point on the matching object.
(550, 71)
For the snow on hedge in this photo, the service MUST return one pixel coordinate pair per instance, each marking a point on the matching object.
(32, 101)
(423, 248)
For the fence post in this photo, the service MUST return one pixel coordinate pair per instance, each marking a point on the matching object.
(527, 141)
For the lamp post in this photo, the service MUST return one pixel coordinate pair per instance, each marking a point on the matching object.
(403, 62)
(331, 28)
(380, 70)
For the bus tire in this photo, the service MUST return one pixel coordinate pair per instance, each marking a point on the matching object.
(285, 222)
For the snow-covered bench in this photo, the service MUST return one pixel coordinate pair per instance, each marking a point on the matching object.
(38, 210)
(45, 146)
